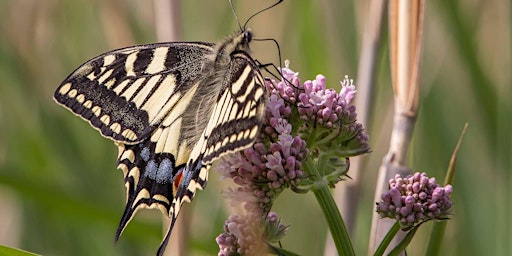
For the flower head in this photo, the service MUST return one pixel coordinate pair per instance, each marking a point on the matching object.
(249, 234)
(264, 171)
(414, 199)
(243, 235)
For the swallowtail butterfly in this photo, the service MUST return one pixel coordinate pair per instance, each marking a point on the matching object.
(171, 109)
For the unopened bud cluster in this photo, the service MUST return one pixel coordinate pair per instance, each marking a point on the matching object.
(414, 199)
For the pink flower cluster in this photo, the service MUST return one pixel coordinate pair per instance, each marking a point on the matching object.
(243, 235)
(324, 118)
(270, 166)
(414, 199)
(326, 106)
(248, 234)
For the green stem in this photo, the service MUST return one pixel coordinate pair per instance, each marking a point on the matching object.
(387, 239)
(334, 220)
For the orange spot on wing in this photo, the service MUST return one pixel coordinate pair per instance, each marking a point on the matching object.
(177, 181)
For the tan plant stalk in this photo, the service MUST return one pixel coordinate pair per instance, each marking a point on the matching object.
(167, 20)
(406, 29)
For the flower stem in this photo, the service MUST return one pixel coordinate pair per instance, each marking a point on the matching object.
(334, 220)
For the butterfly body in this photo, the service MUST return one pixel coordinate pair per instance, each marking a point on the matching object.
(172, 109)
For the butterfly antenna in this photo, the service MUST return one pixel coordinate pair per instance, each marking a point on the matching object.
(279, 77)
(264, 66)
(236, 16)
(260, 11)
(278, 53)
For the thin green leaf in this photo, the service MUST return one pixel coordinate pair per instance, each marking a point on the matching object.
(281, 251)
(387, 239)
(437, 234)
(9, 251)
(450, 173)
(405, 242)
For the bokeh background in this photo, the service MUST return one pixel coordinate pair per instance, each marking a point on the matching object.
(60, 192)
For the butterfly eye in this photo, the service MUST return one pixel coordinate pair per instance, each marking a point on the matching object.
(248, 36)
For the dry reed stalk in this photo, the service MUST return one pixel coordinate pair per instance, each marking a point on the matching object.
(406, 30)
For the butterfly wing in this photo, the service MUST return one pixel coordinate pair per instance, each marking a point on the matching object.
(126, 93)
(172, 109)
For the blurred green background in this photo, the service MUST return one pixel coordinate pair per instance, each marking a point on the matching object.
(60, 192)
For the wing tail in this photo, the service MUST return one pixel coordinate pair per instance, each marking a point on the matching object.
(149, 179)
(164, 243)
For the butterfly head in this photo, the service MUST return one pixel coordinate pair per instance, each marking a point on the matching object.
(238, 42)
(246, 36)
(242, 41)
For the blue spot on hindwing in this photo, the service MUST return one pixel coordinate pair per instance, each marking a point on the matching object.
(145, 153)
(188, 172)
(165, 169)
(160, 172)
(151, 170)
(157, 167)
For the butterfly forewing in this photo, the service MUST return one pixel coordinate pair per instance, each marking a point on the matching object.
(126, 93)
